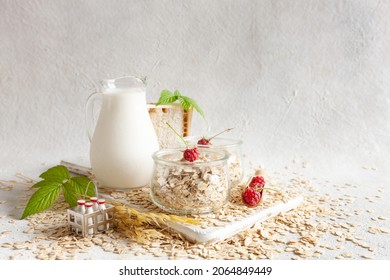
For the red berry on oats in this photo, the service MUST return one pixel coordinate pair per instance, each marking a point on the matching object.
(257, 182)
(251, 197)
(191, 154)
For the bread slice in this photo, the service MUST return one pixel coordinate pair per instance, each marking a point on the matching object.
(175, 115)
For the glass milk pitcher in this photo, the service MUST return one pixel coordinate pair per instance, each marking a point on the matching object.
(124, 139)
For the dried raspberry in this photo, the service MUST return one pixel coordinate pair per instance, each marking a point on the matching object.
(257, 182)
(251, 197)
(191, 154)
(204, 142)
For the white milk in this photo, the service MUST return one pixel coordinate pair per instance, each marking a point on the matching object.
(124, 140)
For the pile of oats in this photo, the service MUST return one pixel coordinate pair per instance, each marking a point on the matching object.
(235, 169)
(324, 226)
(183, 188)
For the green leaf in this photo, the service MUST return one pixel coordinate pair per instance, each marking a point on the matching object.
(69, 191)
(54, 180)
(42, 199)
(184, 103)
(187, 102)
(57, 173)
(81, 184)
(166, 97)
(196, 106)
(45, 183)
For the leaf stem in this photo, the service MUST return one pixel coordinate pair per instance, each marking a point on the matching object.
(181, 137)
(265, 189)
(226, 130)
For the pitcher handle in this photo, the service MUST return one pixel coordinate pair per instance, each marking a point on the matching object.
(90, 112)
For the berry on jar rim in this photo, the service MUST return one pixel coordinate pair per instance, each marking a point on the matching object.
(207, 141)
(191, 154)
(203, 141)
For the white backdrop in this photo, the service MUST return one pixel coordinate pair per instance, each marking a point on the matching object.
(299, 80)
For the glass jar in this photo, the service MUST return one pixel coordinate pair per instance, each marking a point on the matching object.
(230, 146)
(184, 187)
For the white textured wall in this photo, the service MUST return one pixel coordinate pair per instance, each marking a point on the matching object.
(306, 80)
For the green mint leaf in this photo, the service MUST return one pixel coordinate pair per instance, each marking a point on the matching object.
(166, 97)
(177, 93)
(57, 173)
(42, 199)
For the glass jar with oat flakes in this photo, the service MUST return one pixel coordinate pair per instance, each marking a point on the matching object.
(230, 146)
(182, 187)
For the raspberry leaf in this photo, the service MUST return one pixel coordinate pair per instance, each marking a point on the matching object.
(83, 186)
(167, 97)
(54, 180)
(45, 183)
(57, 173)
(42, 199)
(187, 102)
(184, 103)
(69, 192)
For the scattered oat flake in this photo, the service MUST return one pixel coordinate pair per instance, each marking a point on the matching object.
(298, 232)
(367, 257)
(374, 230)
(346, 255)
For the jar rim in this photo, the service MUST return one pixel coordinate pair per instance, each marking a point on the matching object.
(230, 142)
(157, 157)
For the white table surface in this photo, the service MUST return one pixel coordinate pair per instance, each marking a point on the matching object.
(368, 188)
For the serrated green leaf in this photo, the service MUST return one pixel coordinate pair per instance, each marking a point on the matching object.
(48, 190)
(42, 199)
(57, 173)
(166, 97)
(69, 192)
(45, 183)
(81, 184)
(196, 106)
(187, 102)
(184, 103)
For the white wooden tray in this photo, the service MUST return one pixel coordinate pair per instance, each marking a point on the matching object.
(212, 233)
